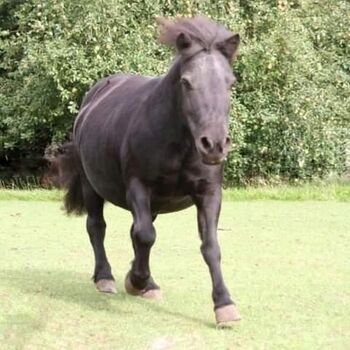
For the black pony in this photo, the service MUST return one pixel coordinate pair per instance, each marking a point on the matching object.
(156, 145)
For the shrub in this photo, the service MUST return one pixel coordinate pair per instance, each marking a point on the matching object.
(290, 110)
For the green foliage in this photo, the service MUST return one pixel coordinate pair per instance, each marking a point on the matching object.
(290, 111)
(291, 102)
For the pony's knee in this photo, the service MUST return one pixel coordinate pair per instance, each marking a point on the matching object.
(211, 252)
(145, 236)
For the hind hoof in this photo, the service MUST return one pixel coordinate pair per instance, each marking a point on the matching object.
(151, 294)
(106, 286)
(227, 316)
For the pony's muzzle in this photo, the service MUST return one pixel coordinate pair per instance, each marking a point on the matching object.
(213, 150)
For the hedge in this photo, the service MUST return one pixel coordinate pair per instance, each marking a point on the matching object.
(290, 112)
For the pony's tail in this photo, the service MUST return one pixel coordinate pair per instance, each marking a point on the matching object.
(65, 171)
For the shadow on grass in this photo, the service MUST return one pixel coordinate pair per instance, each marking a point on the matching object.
(73, 287)
(68, 286)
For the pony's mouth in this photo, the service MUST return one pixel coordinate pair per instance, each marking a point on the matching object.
(212, 161)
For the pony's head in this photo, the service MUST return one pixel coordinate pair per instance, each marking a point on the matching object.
(206, 51)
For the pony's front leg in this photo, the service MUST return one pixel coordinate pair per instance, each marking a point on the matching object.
(139, 281)
(208, 211)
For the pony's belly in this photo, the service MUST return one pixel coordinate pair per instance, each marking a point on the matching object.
(106, 180)
(162, 205)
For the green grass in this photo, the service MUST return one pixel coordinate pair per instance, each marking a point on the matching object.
(287, 265)
(30, 195)
(313, 192)
(307, 192)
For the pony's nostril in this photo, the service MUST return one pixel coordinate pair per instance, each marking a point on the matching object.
(224, 146)
(207, 144)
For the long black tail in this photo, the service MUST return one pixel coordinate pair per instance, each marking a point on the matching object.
(66, 172)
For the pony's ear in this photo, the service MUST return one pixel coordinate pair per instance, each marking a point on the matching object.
(183, 42)
(186, 45)
(229, 47)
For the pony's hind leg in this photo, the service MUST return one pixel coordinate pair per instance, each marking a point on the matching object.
(96, 227)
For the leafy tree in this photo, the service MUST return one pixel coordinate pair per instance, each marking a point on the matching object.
(290, 111)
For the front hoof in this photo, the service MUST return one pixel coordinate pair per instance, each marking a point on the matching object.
(227, 316)
(151, 294)
(106, 286)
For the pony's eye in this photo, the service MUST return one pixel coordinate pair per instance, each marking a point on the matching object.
(185, 82)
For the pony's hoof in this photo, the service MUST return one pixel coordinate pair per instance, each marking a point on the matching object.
(227, 316)
(130, 289)
(106, 286)
(151, 294)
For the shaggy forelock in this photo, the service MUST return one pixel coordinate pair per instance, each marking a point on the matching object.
(204, 30)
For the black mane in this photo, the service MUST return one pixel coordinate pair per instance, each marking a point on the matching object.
(202, 29)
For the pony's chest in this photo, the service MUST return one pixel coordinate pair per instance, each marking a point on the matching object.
(175, 170)
(167, 181)
(182, 176)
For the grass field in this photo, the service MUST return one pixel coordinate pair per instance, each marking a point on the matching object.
(306, 192)
(287, 265)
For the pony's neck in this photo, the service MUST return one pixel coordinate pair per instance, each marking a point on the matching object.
(169, 118)
(173, 76)
(168, 90)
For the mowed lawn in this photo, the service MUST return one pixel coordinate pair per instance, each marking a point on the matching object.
(287, 265)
